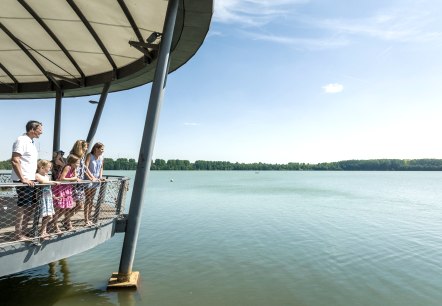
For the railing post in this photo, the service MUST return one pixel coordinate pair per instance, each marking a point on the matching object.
(121, 197)
(125, 277)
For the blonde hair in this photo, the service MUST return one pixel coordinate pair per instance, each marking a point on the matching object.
(43, 163)
(72, 159)
(79, 148)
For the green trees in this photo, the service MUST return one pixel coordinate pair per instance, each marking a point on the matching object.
(346, 165)
(120, 164)
(5, 165)
(171, 164)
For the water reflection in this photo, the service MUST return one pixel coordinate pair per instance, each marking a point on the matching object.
(52, 285)
(64, 271)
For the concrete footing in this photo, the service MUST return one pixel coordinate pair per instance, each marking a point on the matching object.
(118, 281)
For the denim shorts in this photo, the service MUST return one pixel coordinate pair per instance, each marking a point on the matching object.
(25, 195)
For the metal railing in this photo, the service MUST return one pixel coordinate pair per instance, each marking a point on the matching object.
(47, 211)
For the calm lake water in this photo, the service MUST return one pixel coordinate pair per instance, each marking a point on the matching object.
(267, 238)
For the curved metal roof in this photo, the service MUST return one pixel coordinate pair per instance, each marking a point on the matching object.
(78, 45)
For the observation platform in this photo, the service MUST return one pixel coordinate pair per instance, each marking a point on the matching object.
(107, 216)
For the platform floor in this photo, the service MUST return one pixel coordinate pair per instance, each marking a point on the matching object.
(7, 231)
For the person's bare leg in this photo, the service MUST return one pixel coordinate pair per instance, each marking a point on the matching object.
(18, 223)
(88, 206)
(69, 214)
(28, 212)
(67, 218)
(91, 205)
(44, 226)
(58, 213)
(79, 205)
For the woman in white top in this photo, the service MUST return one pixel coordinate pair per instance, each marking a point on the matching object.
(94, 164)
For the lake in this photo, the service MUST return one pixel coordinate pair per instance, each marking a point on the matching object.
(264, 238)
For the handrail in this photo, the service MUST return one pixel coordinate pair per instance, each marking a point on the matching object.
(25, 212)
(5, 176)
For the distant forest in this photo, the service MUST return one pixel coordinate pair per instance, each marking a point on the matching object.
(346, 165)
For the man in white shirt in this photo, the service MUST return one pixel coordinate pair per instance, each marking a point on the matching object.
(24, 166)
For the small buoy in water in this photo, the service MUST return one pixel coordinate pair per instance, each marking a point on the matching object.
(171, 180)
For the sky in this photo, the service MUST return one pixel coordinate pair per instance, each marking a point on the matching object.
(279, 81)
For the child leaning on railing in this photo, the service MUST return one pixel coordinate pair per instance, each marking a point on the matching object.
(45, 200)
(63, 200)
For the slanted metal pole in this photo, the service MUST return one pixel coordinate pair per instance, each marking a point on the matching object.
(57, 120)
(98, 112)
(147, 144)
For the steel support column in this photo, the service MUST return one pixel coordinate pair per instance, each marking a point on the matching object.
(97, 116)
(57, 120)
(147, 144)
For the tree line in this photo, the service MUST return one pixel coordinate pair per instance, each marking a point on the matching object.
(345, 165)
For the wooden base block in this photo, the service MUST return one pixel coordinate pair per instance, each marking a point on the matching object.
(123, 281)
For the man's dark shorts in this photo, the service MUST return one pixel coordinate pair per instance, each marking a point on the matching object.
(25, 195)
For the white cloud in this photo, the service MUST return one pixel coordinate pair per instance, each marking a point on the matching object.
(401, 25)
(191, 124)
(251, 12)
(333, 88)
(301, 43)
(214, 33)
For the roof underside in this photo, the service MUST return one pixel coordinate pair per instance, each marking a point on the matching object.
(78, 45)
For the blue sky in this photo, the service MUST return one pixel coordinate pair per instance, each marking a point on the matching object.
(280, 81)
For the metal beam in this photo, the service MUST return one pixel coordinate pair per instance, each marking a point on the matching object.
(147, 145)
(8, 73)
(61, 77)
(15, 87)
(93, 81)
(7, 85)
(137, 45)
(57, 120)
(93, 33)
(98, 112)
(53, 36)
(131, 20)
(24, 49)
(54, 80)
(143, 44)
(137, 32)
